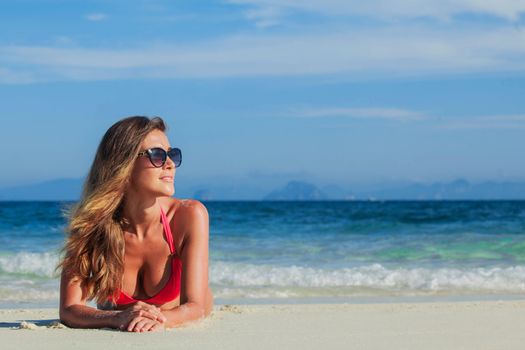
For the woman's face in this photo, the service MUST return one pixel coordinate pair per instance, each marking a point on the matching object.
(148, 180)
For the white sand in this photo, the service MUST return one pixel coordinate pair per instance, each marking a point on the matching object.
(422, 326)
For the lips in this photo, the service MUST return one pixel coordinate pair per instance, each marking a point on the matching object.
(167, 178)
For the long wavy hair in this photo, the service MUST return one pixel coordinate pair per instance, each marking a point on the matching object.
(94, 248)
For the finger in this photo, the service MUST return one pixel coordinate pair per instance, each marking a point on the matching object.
(147, 314)
(133, 322)
(140, 325)
(137, 324)
(149, 325)
(154, 327)
(151, 308)
(146, 307)
(139, 305)
(157, 327)
(161, 318)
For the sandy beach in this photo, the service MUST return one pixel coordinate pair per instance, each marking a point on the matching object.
(422, 325)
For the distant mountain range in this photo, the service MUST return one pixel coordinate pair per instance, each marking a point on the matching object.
(69, 189)
(296, 190)
(455, 190)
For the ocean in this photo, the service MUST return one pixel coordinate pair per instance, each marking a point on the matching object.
(325, 251)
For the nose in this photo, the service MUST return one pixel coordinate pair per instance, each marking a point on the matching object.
(169, 163)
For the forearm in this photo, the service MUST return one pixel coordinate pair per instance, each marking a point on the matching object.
(184, 313)
(83, 316)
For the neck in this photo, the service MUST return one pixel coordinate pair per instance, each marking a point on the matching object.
(141, 214)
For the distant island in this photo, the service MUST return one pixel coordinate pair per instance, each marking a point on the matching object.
(295, 190)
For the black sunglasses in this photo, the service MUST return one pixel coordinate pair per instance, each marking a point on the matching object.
(157, 156)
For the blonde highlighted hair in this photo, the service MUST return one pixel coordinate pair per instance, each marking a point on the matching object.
(94, 248)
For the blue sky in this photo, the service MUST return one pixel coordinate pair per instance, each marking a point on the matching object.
(335, 91)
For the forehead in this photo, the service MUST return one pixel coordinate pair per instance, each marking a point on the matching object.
(156, 138)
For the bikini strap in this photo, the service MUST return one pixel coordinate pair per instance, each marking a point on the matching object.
(167, 231)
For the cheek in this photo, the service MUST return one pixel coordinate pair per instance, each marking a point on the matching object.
(143, 178)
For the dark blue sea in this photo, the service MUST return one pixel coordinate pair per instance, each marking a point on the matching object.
(303, 251)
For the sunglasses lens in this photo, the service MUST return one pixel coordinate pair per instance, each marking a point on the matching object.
(157, 157)
(176, 156)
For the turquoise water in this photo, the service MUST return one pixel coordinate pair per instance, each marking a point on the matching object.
(308, 250)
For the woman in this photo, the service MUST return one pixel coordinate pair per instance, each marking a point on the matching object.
(131, 246)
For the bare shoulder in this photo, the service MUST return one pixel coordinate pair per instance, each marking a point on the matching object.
(170, 205)
(195, 221)
(185, 214)
(175, 203)
(193, 209)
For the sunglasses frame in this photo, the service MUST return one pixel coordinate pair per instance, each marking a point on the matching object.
(148, 152)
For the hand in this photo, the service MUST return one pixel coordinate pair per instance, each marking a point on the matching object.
(144, 324)
(138, 310)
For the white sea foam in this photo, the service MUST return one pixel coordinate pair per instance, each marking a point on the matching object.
(29, 295)
(30, 277)
(372, 277)
(39, 264)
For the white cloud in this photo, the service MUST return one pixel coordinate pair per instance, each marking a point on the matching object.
(393, 114)
(267, 16)
(8, 76)
(390, 9)
(503, 118)
(367, 53)
(486, 122)
(96, 17)
(516, 121)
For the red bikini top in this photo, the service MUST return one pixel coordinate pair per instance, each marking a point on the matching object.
(172, 288)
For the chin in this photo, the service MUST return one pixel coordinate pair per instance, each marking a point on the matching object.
(167, 191)
(159, 191)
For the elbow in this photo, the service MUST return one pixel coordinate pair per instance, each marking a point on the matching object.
(194, 311)
(197, 311)
(66, 323)
(67, 317)
(64, 316)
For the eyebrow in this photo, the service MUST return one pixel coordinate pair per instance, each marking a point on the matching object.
(158, 146)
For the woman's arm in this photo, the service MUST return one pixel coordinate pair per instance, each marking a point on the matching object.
(73, 309)
(194, 279)
(75, 313)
